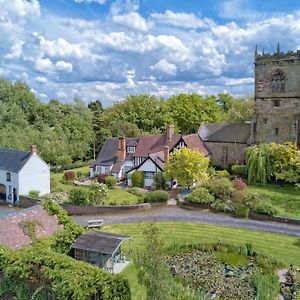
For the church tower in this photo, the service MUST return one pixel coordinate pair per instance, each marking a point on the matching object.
(277, 98)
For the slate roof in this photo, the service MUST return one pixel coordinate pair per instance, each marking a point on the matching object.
(155, 143)
(225, 132)
(109, 152)
(98, 241)
(13, 160)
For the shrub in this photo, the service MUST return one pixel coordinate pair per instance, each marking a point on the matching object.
(265, 208)
(79, 196)
(53, 184)
(137, 179)
(157, 196)
(137, 192)
(222, 173)
(239, 170)
(101, 178)
(159, 181)
(98, 192)
(200, 195)
(69, 175)
(239, 184)
(253, 199)
(111, 181)
(34, 194)
(78, 174)
(220, 188)
(242, 211)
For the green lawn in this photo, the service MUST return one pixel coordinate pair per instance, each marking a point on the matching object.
(282, 248)
(115, 196)
(286, 199)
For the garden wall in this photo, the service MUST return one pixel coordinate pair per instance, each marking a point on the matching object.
(26, 201)
(274, 219)
(73, 209)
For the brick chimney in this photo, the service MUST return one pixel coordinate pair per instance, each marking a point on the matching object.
(122, 148)
(166, 154)
(170, 132)
(33, 149)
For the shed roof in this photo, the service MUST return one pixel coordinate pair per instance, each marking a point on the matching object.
(13, 160)
(225, 132)
(98, 241)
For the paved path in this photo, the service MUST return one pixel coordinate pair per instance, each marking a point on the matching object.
(6, 210)
(177, 214)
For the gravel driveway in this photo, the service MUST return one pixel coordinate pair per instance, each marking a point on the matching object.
(177, 214)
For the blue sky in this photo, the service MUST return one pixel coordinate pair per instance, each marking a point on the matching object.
(108, 49)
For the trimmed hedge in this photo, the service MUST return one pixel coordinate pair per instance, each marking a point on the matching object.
(137, 179)
(111, 182)
(201, 196)
(239, 170)
(157, 196)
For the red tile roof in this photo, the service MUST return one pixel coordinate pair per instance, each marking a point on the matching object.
(148, 144)
(193, 141)
(13, 236)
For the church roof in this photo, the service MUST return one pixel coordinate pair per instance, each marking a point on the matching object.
(225, 132)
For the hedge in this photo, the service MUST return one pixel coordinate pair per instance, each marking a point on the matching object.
(157, 196)
(137, 179)
(239, 170)
(111, 181)
(201, 196)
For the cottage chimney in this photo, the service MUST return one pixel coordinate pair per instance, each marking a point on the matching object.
(122, 148)
(33, 149)
(166, 154)
(170, 132)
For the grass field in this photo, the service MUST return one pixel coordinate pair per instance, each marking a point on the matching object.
(283, 249)
(286, 199)
(116, 196)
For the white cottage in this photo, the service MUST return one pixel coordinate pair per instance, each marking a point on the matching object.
(22, 172)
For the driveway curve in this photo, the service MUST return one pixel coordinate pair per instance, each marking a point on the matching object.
(177, 214)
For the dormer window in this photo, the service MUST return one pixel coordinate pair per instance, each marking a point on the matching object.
(8, 176)
(130, 149)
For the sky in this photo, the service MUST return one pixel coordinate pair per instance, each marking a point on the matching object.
(108, 49)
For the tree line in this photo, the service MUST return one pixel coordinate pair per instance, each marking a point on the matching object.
(69, 132)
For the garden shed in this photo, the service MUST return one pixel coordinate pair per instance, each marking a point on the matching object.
(101, 249)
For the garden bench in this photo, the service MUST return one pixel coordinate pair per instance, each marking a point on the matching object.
(95, 223)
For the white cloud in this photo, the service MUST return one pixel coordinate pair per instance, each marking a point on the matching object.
(183, 20)
(239, 81)
(44, 65)
(41, 79)
(64, 66)
(164, 66)
(131, 20)
(124, 6)
(15, 51)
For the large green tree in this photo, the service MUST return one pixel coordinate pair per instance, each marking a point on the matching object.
(187, 166)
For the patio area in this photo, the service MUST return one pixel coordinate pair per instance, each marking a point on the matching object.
(120, 266)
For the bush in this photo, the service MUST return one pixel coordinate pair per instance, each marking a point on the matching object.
(159, 181)
(101, 178)
(111, 181)
(98, 193)
(200, 195)
(137, 192)
(222, 173)
(253, 199)
(157, 196)
(53, 184)
(137, 179)
(265, 208)
(220, 188)
(242, 211)
(78, 174)
(69, 175)
(239, 184)
(34, 194)
(79, 196)
(239, 170)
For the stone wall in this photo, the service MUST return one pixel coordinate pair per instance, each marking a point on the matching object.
(226, 154)
(26, 201)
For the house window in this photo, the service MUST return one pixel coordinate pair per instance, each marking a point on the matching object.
(276, 131)
(130, 149)
(8, 176)
(149, 175)
(276, 103)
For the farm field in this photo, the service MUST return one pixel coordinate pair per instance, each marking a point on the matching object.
(284, 249)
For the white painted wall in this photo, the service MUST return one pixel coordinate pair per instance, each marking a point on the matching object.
(35, 175)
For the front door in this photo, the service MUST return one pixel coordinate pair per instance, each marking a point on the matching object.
(15, 195)
(2, 192)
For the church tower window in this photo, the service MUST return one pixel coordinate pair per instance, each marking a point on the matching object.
(278, 81)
